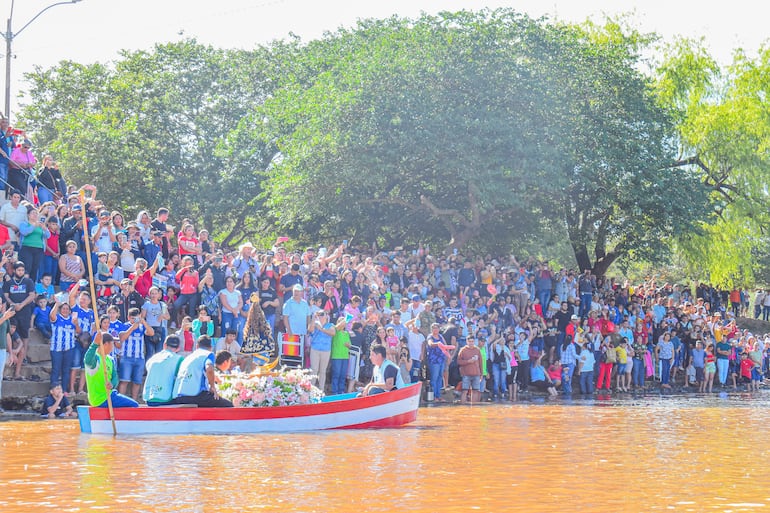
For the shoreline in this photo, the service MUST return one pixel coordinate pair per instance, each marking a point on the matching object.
(618, 399)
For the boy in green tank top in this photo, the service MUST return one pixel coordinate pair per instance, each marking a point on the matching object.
(97, 387)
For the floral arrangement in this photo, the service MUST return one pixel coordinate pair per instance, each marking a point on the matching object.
(286, 387)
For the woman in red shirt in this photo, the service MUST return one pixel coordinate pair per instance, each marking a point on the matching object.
(187, 278)
(189, 243)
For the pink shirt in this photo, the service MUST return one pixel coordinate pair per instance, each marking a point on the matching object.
(23, 157)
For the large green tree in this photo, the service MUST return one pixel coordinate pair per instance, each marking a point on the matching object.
(479, 128)
(149, 130)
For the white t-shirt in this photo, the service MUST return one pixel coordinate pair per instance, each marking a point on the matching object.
(234, 349)
(415, 342)
(103, 243)
(13, 216)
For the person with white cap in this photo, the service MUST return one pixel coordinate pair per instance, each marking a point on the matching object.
(296, 312)
(245, 260)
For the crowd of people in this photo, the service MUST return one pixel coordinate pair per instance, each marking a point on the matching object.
(488, 327)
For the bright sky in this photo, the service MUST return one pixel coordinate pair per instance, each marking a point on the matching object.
(95, 30)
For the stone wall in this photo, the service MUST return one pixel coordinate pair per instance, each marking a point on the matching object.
(29, 394)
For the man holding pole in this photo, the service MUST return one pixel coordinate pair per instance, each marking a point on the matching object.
(98, 387)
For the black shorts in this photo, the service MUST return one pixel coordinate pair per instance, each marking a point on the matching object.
(22, 323)
(510, 379)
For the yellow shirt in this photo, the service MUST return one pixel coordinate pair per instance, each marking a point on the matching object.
(622, 355)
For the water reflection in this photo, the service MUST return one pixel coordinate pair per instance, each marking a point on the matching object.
(646, 454)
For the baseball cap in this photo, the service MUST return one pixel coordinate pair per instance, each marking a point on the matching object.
(172, 341)
(298, 287)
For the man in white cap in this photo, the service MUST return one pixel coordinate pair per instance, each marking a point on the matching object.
(245, 261)
(296, 312)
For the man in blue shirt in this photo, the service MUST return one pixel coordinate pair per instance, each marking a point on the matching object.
(162, 369)
(297, 312)
(196, 382)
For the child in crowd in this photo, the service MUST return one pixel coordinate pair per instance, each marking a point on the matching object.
(623, 378)
(45, 286)
(185, 333)
(40, 320)
(203, 324)
(103, 274)
(710, 369)
(51, 250)
(56, 404)
(392, 344)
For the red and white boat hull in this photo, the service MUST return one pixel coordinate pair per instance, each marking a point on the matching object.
(391, 409)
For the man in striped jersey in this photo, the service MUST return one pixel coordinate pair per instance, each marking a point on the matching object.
(87, 324)
(64, 324)
(132, 357)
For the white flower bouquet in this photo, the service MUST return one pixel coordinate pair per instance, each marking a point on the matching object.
(287, 387)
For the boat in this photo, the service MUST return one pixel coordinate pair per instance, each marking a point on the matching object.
(345, 411)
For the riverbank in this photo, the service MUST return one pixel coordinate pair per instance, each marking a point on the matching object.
(25, 398)
(451, 399)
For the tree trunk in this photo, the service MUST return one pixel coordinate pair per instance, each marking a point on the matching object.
(581, 255)
(604, 263)
(460, 238)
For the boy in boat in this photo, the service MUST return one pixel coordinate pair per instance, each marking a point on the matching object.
(97, 387)
(386, 375)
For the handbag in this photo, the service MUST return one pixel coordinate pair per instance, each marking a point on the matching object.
(84, 339)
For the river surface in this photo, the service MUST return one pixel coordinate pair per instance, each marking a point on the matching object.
(651, 454)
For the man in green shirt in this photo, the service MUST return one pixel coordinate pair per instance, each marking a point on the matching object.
(97, 387)
(339, 358)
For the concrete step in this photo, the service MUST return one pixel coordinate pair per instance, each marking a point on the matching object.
(39, 353)
(42, 371)
(36, 338)
(24, 389)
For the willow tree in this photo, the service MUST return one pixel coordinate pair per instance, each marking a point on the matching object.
(723, 124)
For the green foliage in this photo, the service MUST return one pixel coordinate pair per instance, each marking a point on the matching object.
(724, 135)
(488, 129)
(149, 130)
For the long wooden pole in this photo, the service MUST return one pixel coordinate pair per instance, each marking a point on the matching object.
(87, 238)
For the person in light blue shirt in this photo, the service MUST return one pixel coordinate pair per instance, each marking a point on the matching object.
(322, 331)
(297, 312)
(586, 362)
(665, 352)
(162, 369)
(659, 311)
(195, 379)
